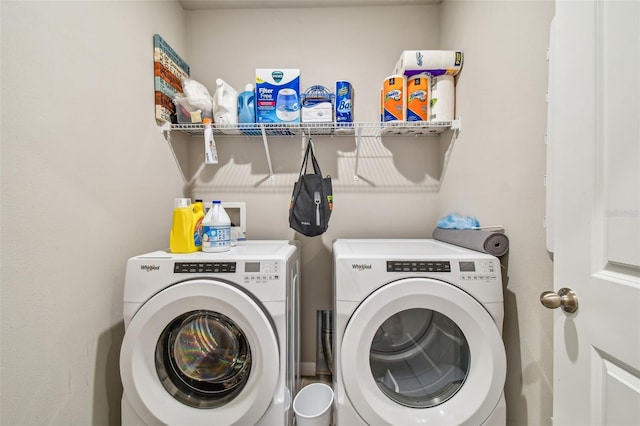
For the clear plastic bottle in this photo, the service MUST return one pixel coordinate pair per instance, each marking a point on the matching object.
(216, 229)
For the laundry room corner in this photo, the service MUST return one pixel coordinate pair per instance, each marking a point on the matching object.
(89, 179)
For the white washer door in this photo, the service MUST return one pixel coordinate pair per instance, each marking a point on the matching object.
(420, 351)
(188, 344)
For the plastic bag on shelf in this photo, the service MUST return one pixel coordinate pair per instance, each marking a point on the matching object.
(197, 94)
(195, 104)
(456, 221)
(188, 113)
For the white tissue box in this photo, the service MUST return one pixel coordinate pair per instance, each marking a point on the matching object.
(321, 112)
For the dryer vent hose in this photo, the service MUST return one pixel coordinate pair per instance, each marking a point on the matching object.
(327, 338)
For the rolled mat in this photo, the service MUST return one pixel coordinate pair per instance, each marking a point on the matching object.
(491, 242)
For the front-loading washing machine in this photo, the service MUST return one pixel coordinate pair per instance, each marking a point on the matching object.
(212, 338)
(418, 334)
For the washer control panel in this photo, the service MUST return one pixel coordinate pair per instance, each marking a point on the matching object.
(261, 272)
(204, 267)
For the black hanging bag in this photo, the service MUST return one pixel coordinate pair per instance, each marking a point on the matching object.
(312, 199)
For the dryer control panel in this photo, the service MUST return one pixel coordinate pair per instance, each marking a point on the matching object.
(418, 266)
(478, 270)
(204, 267)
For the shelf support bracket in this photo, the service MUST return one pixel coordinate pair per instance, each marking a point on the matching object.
(457, 124)
(358, 143)
(266, 151)
(456, 127)
(166, 132)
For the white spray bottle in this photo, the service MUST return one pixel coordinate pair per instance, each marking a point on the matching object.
(210, 150)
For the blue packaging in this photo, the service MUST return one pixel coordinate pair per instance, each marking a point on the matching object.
(246, 106)
(344, 102)
(247, 111)
(278, 95)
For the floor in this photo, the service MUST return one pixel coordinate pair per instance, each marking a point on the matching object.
(317, 379)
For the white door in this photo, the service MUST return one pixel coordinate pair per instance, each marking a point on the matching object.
(594, 96)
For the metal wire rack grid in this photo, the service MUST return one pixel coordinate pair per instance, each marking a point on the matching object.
(363, 129)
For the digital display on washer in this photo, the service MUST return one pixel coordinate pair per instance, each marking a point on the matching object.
(467, 266)
(418, 266)
(204, 267)
(252, 267)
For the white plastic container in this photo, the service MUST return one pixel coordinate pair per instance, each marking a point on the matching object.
(225, 107)
(312, 405)
(216, 229)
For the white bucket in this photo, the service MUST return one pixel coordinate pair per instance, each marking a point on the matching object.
(312, 405)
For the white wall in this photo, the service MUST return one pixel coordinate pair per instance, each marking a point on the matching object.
(497, 171)
(393, 174)
(87, 182)
(81, 193)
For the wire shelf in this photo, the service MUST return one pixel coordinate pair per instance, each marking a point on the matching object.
(363, 129)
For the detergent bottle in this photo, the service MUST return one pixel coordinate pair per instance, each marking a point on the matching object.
(216, 229)
(198, 218)
(246, 105)
(247, 110)
(225, 107)
(181, 237)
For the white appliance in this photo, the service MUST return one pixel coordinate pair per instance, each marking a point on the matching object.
(212, 338)
(418, 337)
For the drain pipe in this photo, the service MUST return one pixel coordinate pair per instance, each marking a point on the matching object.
(327, 338)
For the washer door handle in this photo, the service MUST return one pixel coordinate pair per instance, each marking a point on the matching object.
(564, 298)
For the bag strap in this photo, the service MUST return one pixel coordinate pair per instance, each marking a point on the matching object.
(303, 168)
(310, 153)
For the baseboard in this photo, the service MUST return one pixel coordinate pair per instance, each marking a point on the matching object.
(308, 369)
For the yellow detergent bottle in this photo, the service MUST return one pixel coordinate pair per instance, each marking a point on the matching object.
(181, 238)
(198, 217)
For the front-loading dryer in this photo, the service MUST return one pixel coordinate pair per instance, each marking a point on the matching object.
(211, 338)
(418, 334)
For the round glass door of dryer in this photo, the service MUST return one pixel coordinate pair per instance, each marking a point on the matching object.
(419, 358)
(203, 359)
(421, 351)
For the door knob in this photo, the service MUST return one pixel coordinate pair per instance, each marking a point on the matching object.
(565, 298)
